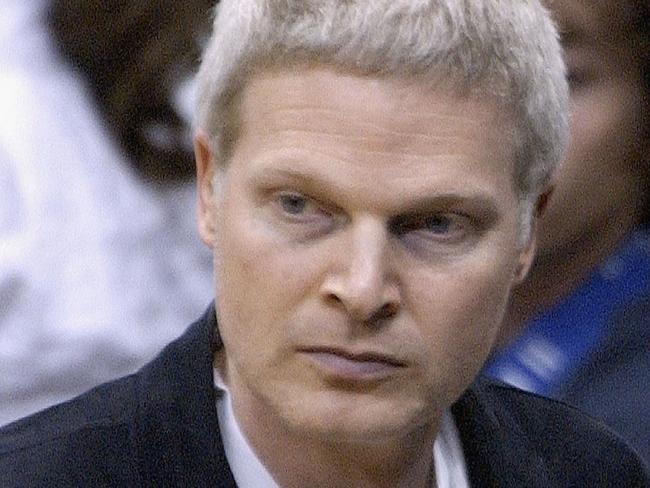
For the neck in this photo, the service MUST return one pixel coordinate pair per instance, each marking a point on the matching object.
(296, 459)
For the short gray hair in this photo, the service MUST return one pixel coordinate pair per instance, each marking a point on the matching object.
(507, 48)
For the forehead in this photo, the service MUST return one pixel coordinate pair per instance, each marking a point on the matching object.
(394, 109)
(349, 128)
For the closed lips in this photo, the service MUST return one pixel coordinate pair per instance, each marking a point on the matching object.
(362, 357)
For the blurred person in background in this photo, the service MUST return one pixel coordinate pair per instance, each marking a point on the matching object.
(578, 328)
(139, 58)
(94, 98)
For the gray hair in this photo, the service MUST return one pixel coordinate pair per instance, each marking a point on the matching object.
(505, 48)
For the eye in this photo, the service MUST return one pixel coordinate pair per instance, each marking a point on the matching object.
(300, 217)
(437, 224)
(433, 223)
(292, 203)
(434, 228)
(296, 207)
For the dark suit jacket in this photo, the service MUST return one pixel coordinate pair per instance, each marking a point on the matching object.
(159, 428)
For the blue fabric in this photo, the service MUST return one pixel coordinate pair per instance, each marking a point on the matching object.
(557, 342)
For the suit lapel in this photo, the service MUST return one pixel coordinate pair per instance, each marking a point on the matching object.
(178, 430)
(497, 452)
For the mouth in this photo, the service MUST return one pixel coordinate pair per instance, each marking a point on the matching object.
(352, 366)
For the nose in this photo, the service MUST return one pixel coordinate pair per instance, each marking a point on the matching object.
(362, 280)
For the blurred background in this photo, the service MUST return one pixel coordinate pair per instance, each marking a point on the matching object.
(100, 263)
(578, 328)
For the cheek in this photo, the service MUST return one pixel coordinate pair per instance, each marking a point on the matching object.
(262, 282)
(461, 313)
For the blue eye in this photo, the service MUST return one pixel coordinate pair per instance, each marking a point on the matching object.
(436, 224)
(299, 216)
(432, 230)
(292, 203)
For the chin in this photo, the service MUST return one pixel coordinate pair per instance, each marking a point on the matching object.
(366, 420)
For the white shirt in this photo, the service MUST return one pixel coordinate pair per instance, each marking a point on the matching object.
(249, 472)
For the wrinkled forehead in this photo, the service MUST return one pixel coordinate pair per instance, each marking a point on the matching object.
(400, 93)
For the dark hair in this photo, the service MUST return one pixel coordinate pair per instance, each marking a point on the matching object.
(134, 53)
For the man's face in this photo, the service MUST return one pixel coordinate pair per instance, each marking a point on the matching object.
(602, 187)
(365, 242)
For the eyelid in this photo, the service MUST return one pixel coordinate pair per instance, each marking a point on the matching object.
(415, 222)
(326, 207)
(294, 194)
(313, 222)
(290, 193)
(464, 231)
(314, 208)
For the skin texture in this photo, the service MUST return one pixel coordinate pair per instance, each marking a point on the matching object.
(602, 189)
(358, 215)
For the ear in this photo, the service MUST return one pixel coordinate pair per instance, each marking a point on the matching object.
(528, 252)
(205, 169)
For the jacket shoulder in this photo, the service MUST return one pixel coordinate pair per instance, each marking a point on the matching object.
(157, 427)
(87, 441)
(578, 449)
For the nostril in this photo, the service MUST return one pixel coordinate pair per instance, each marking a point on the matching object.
(387, 311)
(333, 298)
